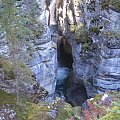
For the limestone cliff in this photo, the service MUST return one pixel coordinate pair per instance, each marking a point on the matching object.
(92, 29)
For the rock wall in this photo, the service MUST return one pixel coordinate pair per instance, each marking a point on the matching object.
(107, 39)
(44, 57)
(92, 29)
(44, 64)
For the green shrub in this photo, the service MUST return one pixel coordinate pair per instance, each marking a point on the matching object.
(64, 112)
(113, 114)
(37, 111)
(95, 30)
(7, 68)
(7, 98)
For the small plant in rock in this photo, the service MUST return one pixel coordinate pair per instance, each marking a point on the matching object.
(113, 4)
(82, 34)
(95, 30)
(105, 4)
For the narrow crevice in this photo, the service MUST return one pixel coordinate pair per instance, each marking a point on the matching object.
(75, 94)
(65, 61)
(65, 58)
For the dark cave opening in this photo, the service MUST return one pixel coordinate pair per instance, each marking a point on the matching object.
(76, 94)
(73, 93)
(65, 58)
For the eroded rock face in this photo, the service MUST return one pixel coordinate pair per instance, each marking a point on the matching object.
(104, 63)
(44, 65)
(107, 58)
(107, 75)
(96, 63)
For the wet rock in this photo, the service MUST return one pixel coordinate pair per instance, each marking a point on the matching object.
(62, 75)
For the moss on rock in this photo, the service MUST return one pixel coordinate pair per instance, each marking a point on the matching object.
(114, 4)
(37, 112)
(7, 98)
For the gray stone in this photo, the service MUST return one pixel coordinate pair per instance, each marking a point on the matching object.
(102, 70)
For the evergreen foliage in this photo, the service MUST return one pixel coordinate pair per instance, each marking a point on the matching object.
(15, 24)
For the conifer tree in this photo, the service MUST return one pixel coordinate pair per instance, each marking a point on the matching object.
(14, 23)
